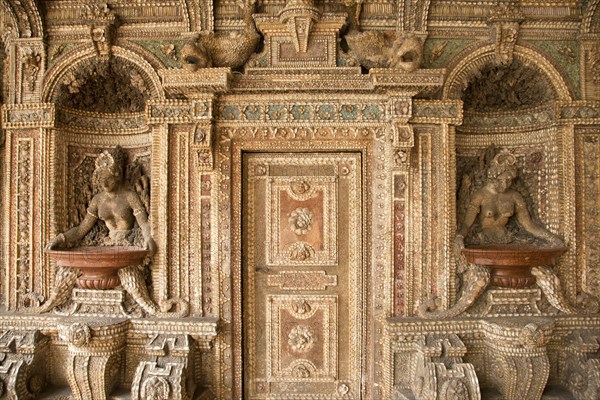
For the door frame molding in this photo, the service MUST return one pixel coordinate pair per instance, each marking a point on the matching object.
(375, 149)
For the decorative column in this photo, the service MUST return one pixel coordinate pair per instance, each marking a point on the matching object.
(27, 175)
(402, 140)
(182, 164)
(433, 193)
(95, 355)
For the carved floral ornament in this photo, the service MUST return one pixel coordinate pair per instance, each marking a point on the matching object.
(78, 334)
(301, 339)
(301, 220)
(301, 372)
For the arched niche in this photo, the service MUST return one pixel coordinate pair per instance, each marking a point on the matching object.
(469, 67)
(100, 103)
(79, 69)
(514, 106)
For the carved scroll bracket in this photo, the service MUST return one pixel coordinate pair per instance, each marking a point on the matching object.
(549, 282)
(440, 369)
(170, 373)
(505, 20)
(476, 279)
(590, 50)
(95, 348)
(29, 60)
(22, 368)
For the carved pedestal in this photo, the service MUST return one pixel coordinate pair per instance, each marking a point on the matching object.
(95, 355)
(99, 303)
(170, 373)
(22, 372)
(440, 372)
(518, 352)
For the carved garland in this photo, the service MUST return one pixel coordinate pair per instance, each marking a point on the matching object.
(24, 208)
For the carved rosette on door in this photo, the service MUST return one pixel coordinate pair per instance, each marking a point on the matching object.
(302, 282)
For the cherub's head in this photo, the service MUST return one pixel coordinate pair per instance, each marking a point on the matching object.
(502, 170)
(109, 168)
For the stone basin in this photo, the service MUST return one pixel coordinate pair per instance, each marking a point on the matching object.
(510, 266)
(99, 266)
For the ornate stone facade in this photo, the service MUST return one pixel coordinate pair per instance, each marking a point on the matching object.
(305, 167)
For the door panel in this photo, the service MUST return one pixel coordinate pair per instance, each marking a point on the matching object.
(302, 257)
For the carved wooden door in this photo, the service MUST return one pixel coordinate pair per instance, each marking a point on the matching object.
(302, 275)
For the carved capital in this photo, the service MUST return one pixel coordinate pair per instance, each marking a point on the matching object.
(203, 145)
(95, 355)
(399, 111)
(518, 346)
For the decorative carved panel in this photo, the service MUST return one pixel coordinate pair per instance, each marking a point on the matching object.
(301, 221)
(302, 273)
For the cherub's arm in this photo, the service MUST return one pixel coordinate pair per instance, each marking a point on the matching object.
(142, 219)
(527, 223)
(77, 233)
(473, 210)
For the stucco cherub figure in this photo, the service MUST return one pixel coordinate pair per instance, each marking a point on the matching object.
(495, 204)
(120, 207)
(496, 214)
(117, 205)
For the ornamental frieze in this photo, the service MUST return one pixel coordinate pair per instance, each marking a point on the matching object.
(27, 115)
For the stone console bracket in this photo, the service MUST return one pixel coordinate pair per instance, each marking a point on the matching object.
(170, 373)
(22, 364)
